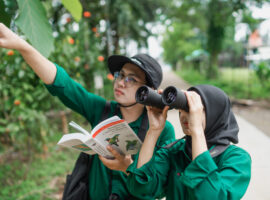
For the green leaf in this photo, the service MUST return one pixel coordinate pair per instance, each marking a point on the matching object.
(3, 121)
(33, 22)
(74, 7)
(29, 97)
(4, 17)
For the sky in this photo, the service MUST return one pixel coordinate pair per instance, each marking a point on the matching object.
(263, 13)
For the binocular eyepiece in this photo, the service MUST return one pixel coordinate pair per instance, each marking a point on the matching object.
(171, 97)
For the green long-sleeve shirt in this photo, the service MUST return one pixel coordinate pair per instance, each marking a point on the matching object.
(172, 172)
(91, 106)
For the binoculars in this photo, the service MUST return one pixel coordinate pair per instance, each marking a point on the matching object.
(171, 97)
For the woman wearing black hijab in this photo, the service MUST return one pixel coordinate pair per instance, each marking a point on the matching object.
(204, 164)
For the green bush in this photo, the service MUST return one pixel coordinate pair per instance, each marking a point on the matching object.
(263, 72)
(236, 82)
(23, 120)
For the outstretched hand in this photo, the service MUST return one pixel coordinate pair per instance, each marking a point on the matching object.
(120, 162)
(9, 39)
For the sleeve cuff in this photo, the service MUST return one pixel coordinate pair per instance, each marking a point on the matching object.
(198, 170)
(143, 174)
(59, 81)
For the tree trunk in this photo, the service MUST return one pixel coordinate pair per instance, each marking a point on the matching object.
(116, 44)
(212, 71)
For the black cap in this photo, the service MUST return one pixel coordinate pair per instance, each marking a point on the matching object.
(149, 65)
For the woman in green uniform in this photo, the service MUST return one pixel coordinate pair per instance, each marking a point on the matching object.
(204, 164)
(129, 74)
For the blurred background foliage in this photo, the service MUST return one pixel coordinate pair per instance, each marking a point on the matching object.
(198, 42)
(200, 39)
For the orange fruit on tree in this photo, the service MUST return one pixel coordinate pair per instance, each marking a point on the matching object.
(77, 59)
(71, 41)
(94, 29)
(110, 77)
(100, 58)
(68, 19)
(17, 102)
(87, 14)
(10, 53)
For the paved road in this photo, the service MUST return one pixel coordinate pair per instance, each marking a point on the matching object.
(250, 138)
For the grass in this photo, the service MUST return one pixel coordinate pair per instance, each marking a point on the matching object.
(42, 177)
(33, 174)
(239, 83)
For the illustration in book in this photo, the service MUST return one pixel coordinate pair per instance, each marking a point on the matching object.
(131, 145)
(113, 140)
(82, 147)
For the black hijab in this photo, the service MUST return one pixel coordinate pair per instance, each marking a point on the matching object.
(221, 125)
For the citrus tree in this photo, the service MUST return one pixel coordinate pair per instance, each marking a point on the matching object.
(64, 33)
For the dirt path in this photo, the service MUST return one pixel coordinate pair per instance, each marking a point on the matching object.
(258, 114)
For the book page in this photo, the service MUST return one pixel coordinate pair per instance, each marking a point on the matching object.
(119, 135)
(104, 123)
(77, 141)
(79, 128)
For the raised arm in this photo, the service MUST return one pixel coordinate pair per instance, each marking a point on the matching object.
(44, 68)
(148, 174)
(193, 123)
(157, 119)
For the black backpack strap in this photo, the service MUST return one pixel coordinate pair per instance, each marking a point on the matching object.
(106, 111)
(144, 126)
(117, 109)
(76, 186)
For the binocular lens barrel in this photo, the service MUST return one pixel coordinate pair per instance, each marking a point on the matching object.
(149, 97)
(175, 98)
(171, 97)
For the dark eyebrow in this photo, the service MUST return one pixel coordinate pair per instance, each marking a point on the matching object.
(131, 74)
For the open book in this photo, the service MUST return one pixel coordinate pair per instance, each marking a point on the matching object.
(113, 131)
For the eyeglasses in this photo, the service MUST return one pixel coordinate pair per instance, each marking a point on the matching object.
(128, 80)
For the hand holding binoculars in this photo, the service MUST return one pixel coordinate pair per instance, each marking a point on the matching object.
(171, 97)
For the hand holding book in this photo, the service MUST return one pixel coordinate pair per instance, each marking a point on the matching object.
(120, 163)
